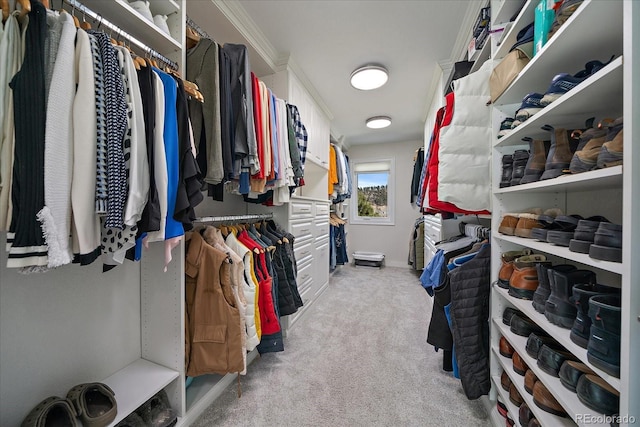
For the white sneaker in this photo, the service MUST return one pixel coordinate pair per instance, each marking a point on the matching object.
(142, 7)
(161, 22)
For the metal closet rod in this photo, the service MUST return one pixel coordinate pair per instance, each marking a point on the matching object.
(235, 218)
(195, 27)
(103, 22)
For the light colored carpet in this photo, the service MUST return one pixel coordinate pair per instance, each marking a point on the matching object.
(358, 357)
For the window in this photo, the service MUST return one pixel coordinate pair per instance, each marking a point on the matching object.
(374, 184)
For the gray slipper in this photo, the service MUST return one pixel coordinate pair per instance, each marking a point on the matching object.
(95, 404)
(52, 412)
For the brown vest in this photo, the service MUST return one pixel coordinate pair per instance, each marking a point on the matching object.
(213, 319)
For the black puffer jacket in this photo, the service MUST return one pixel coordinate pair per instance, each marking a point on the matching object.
(470, 286)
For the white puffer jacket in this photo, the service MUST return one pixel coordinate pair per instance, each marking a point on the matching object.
(464, 156)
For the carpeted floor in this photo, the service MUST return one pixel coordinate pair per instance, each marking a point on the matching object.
(358, 357)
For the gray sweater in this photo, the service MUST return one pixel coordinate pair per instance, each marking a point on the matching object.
(202, 69)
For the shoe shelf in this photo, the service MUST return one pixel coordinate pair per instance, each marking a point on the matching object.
(569, 400)
(561, 335)
(598, 96)
(136, 383)
(545, 418)
(504, 398)
(607, 178)
(560, 251)
(524, 18)
(574, 44)
(120, 13)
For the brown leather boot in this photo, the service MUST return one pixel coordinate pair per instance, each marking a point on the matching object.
(589, 148)
(506, 269)
(560, 153)
(537, 159)
(524, 279)
(611, 152)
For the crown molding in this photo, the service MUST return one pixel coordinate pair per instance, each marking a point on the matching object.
(241, 20)
(431, 93)
(464, 37)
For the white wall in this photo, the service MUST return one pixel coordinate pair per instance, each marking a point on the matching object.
(392, 240)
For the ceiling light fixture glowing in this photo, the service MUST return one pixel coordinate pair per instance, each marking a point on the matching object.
(369, 77)
(378, 122)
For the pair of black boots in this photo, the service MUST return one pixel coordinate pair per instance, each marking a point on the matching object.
(571, 299)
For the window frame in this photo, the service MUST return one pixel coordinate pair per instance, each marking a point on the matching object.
(386, 165)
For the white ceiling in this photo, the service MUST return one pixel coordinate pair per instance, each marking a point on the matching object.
(328, 39)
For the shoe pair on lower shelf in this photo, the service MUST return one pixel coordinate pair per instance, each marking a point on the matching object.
(94, 404)
(155, 412)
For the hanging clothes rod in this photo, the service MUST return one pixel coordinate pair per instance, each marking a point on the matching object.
(234, 218)
(103, 22)
(195, 27)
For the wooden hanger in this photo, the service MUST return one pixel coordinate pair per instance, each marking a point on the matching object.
(84, 24)
(45, 3)
(4, 4)
(192, 38)
(25, 6)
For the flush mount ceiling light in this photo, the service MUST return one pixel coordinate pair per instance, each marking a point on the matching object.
(369, 77)
(378, 122)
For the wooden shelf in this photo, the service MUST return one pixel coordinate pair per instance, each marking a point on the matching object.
(121, 14)
(136, 383)
(574, 44)
(514, 412)
(599, 96)
(545, 418)
(592, 180)
(559, 334)
(566, 398)
(614, 267)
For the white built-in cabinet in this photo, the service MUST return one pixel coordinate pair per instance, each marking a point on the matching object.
(126, 327)
(597, 30)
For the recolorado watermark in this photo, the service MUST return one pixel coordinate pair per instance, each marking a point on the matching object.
(605, 419)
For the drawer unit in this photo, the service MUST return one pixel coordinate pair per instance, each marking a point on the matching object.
(302, 230)
(321, 230)
(322, 210)
(307, 299)
(303, 252)
(321, 261)
(300, 209)
(305, 275)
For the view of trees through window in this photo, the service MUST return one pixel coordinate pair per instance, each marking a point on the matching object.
(372, 194)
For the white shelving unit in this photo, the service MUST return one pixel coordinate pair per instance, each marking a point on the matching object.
(135, 383)
(504, 398)
(611, 92)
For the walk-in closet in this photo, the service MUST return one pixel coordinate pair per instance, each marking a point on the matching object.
(354, 213)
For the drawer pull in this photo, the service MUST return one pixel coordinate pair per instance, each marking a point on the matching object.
(305, 253)
(304, 277)
(306, 230)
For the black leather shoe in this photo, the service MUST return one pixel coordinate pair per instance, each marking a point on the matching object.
(581, 295)
(550, 360)
(536, 341)
(524, 327)
(604, 311)
(508, 313)
(596, 394)
(560, 309)
(543, 291)
(570, 373)
(585, 234)
(603, 351)
(607, 243)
